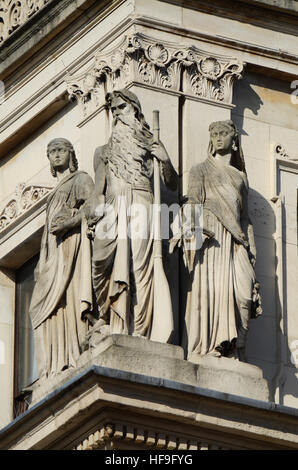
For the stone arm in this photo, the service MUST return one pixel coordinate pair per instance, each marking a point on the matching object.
(168, 172)
(247, 226)
(169, 175)
(69, 218)
(195, 192)
(95, 204)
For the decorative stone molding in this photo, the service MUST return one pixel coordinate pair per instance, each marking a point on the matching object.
(24, 198)
(116, 436)
(280, 151)
(14, 13)
(145, 60)
(280, 161)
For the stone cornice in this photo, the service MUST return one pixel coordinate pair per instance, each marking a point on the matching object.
(261, 12)
(118, 435)
(236, 44)
(145, 60)
(98, 391)
(41, 27)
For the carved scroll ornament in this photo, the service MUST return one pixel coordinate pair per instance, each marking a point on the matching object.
(24, 198)
(144, 60)
(14, 13)
(280, 151)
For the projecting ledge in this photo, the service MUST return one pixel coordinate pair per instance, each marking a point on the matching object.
(132, 380)
(134, 358)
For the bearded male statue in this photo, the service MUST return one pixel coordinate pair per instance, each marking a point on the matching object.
(122, 263)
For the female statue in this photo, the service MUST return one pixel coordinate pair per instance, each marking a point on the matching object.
(62, 296)
(224, 292)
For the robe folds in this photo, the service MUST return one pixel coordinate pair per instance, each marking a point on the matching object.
(123, 265)
(123, 256)
(224, 292)
(63, 289)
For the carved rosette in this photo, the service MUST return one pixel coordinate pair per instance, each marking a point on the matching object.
(140, 59)
(24, 198)
(14, 13)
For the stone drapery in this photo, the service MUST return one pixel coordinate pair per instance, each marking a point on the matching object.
(63, 288)
(223, 296)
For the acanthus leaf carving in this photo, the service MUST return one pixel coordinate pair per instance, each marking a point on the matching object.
(211, 77)
(25, 197)
(141, 59)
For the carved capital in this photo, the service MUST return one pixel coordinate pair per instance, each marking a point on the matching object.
(14, 13)
(144, 60)
(211, 77)
(24, 198)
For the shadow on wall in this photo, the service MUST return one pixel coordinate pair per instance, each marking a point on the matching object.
(287, 377)
(268, 338)
(267, 345)
(263, 338)
(244, 97)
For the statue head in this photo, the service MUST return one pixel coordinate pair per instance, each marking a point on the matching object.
(126, 107)
(61, 154)
(224, 139)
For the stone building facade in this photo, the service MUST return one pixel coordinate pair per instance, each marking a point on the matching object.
(196, 62)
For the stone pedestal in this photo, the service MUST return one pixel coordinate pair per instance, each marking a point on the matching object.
(128, 393)
(154, 360)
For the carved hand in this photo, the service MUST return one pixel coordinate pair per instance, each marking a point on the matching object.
(94, 209)
(158, 151)
(59, 229)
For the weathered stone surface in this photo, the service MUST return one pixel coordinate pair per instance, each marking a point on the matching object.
(62, 297)
(155, 360)
(36, 110)
(99, 408)
(223, 294)
(130, 285)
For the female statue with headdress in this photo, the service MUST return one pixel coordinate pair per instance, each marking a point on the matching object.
(62, 297)
(224, 292)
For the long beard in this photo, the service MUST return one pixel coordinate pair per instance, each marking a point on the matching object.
(130, 150)
(130, 138)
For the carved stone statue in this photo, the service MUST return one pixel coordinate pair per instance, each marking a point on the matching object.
(224, 292)
(62, 296)
(123, 260)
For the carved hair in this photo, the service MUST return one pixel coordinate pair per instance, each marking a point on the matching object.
(131, 98)
(73, 162)
(237, 159)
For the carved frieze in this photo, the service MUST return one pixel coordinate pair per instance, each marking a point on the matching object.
(144, 60)
(14, 13)
(25, 197)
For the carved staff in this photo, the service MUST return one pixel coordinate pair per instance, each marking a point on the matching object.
(162, 325)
